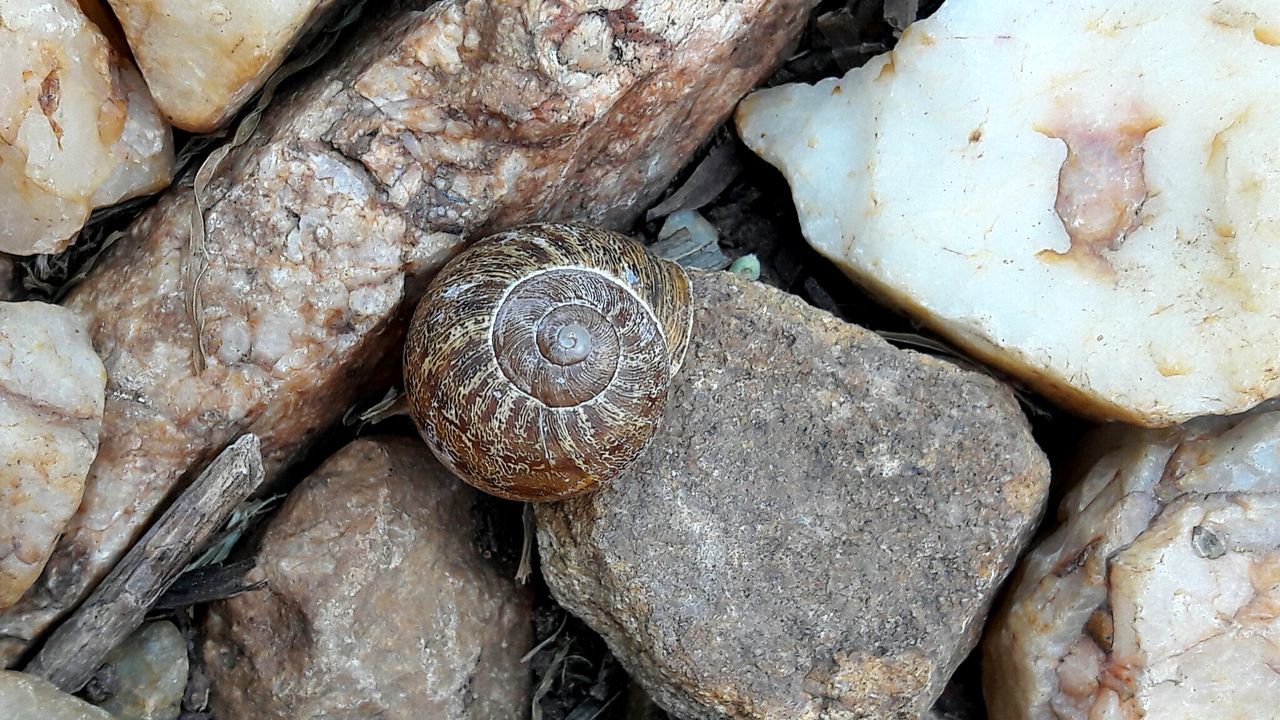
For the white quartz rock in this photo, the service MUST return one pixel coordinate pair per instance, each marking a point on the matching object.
(1085, 192)
(1159, 595)
(52, 388)
(78, 129)
(202, 59)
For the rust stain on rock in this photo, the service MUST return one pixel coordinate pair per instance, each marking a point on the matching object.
(50, 97)
(1101, 186)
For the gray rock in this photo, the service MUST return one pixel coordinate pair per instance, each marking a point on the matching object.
(818, 529)
(27, 697)
(149, 674)
(377, 604)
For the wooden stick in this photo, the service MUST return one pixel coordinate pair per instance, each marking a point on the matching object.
(119, 605)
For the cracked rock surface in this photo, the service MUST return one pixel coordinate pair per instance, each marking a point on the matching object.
(51, 396)
(1159, 595)
(428, 126)
(378, 602)
(817, 530)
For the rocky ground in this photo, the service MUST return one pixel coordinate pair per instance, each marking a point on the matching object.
(849, 575)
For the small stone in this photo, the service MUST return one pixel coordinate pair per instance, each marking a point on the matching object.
(150, 674)
(52, 389)
(1085, 193)
(203, 60)
(378, 602)
(691, 240)
(817, 530)
(78, 129)
(27, 697)
(746, 267)
(1159, 595)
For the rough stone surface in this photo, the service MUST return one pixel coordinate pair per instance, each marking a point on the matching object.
(818, 528)
(148, 674)
(1063, 190)
(1159, 595)
(202, 60)
(51, 395)
(78, 129)
(460, 119)
(378, 602)
(27, 697)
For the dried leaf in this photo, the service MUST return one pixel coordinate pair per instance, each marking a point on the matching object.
(716, 171)
(209, 583)
(548, 678)
(241, 520)
(393, 403)
(525, 571)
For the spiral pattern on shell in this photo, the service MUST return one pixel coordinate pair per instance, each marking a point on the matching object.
(539, 359)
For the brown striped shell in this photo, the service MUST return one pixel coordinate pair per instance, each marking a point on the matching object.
(539, 359)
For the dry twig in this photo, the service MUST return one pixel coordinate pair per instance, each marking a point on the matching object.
(119, 605)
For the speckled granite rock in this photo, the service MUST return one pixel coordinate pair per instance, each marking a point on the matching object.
(51, 396)
(203, 60)
(816, 532)
(78, 129)
(27, 697)
(378, 603)
(1159, 595)
(464, 117)
(149, 674)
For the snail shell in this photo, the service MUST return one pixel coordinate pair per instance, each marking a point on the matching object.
(539, 359)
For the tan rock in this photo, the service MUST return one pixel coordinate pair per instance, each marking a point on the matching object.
(1159, 595)
(818, 528)
(1064, 189)
(27, 697)
(51, 396)
(202, 60)
(378, 602)
(322, 227)
(78, 129)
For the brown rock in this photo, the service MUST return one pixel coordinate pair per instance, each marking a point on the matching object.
(466, 117)
(378, 602)
(818, 529)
